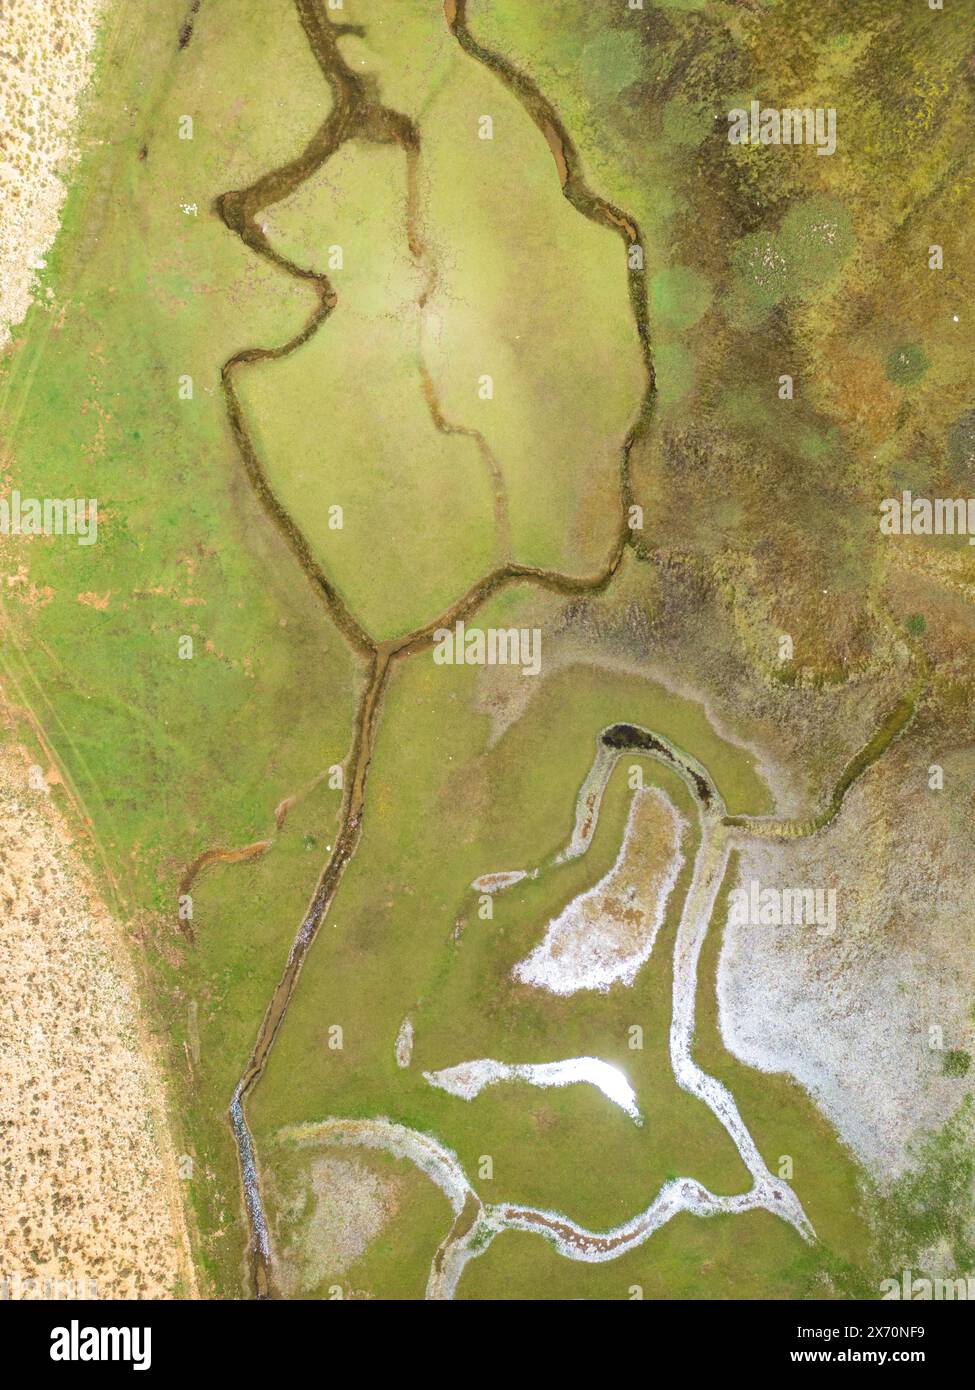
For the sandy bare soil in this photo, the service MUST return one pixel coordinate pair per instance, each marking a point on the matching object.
(89, 1190)
(47, 50)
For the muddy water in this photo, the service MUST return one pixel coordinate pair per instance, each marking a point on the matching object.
(217, 856)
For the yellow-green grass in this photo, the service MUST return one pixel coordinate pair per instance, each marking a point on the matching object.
(535, 296)
(528, 291)
(343, 421)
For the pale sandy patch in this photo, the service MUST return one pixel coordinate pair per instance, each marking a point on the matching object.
(606, 934)
(89, 1192)
(404, 1043)
(47, 50)
(497, 883)
(93, 600)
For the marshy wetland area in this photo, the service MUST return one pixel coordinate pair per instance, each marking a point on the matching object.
(488, 600)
